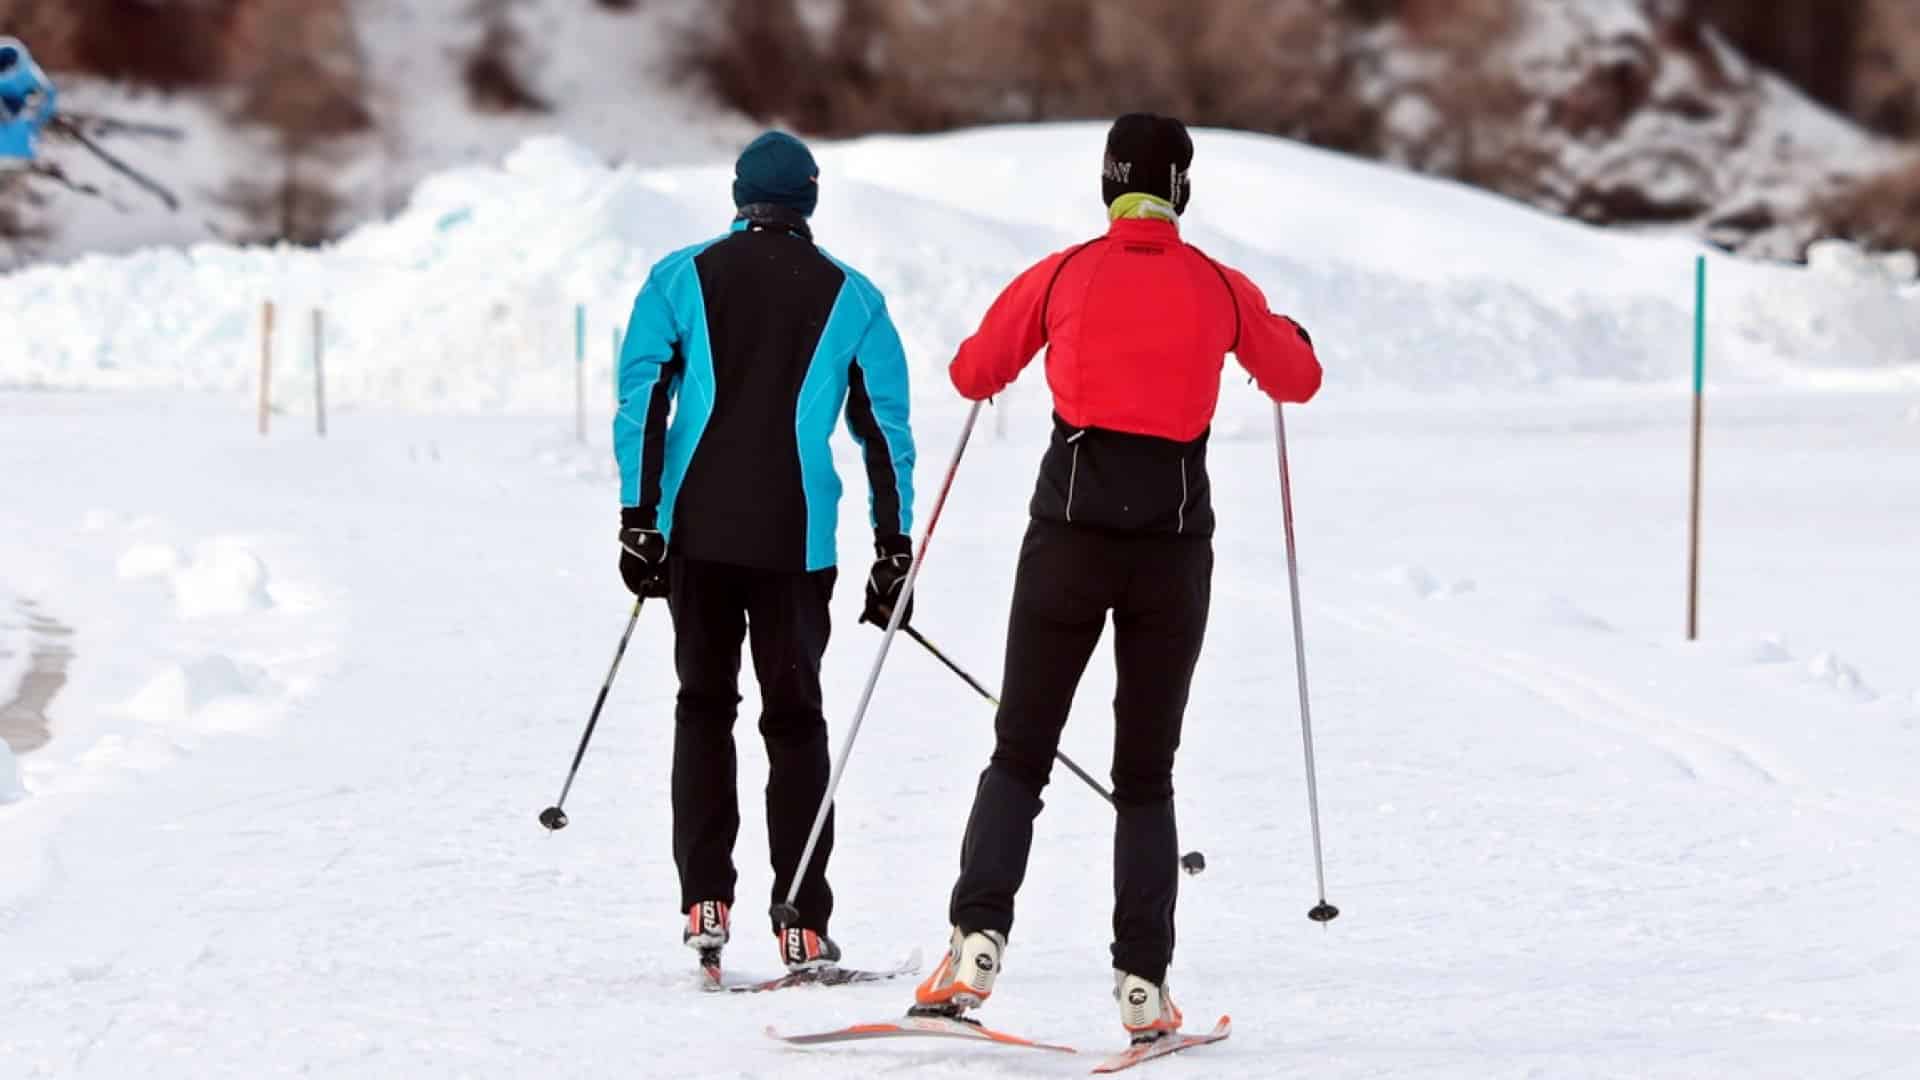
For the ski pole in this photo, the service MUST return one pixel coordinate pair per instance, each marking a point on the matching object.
(784, 913)
(1192, 862)
(553, 817)
(1322, 912)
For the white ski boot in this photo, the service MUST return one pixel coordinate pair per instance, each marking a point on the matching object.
(964, 978)
(1147, 1010)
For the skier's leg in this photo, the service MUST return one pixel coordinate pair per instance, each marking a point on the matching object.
(1060, 598)
(709, 622)
(789, 624)
(1158, 631)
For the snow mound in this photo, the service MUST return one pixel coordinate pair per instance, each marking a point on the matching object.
(212, 687)
(465, 301)
(12, 788)
(224, 578)
(1829, 670)
(148, 561)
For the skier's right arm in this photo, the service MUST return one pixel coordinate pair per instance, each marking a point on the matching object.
(649, 377)
(1009, 336)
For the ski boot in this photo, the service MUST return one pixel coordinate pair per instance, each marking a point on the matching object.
(1147, 1010)
(706, 934)
(806, 950)
(964, 977)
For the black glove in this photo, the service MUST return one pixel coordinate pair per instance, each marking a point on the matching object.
(643, 560)
(889, 576)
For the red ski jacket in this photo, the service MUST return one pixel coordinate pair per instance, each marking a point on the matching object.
(1137, 325)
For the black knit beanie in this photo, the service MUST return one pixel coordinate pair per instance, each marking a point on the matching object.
(1149, 154)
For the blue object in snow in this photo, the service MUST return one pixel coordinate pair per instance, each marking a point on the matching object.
(27, 99)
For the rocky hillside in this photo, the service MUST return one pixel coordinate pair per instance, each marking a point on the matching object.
(1764, 124)
(1613, 111)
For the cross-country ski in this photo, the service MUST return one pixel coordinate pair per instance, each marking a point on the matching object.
(1170, 1043)
(917, 1027)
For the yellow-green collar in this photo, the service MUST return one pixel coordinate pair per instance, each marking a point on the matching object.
(1136, 205)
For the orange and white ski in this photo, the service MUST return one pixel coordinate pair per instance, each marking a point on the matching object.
(1162, 1046)
(936, 1027)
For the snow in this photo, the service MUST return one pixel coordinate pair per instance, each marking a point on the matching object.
(286, 821)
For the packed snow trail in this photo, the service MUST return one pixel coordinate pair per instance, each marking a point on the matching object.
(1562, 841)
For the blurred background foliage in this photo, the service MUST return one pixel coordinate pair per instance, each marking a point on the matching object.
(1612, 111)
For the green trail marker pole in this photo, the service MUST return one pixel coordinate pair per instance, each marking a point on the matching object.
(1699, 414)
(580, 371)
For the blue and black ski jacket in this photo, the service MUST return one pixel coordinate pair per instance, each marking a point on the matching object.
(754, 343)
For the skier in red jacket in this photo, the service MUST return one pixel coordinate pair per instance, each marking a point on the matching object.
(1136, 325)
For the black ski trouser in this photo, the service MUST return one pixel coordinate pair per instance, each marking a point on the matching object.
(1157, 588)
(785, 618)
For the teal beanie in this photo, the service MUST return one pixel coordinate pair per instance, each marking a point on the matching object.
(777, 168)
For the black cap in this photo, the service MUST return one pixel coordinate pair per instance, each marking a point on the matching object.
(1149, 154)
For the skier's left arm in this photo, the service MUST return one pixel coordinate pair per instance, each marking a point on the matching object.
(1274, 349)
(878, 417)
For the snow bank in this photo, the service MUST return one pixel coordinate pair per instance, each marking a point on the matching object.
(225, 578)
(465, 301)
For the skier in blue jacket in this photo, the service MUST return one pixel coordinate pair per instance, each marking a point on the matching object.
(742, 354)
(27, 99)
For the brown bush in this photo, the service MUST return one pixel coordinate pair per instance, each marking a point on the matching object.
(493, 80)
(47, 26)
(1882, 212)
(21, 231)
(165, 45)
(303, 85)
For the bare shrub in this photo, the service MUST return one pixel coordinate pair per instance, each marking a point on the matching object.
(166, 45)
(1881, 212)
(305, 89)
(21, 231)
(493, 71)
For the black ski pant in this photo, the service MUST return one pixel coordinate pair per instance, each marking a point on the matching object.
(1157, 588)
(785, 617)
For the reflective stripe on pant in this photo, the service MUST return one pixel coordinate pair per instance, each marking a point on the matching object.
(1157, 589)
(785, 618)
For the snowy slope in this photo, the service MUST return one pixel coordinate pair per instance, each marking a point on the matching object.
(320, 689)
(1446, 286)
